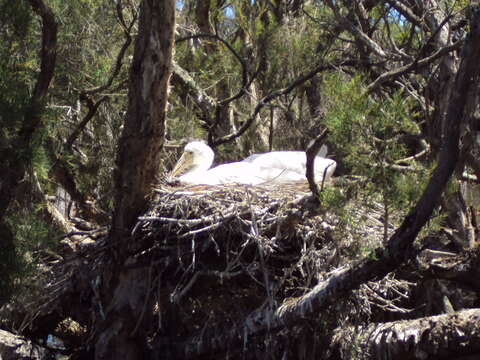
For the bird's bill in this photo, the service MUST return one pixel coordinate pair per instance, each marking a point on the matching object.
(183, 165)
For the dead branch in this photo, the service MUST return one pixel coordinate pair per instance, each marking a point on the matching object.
(311, 153)
(414, 65)
(443, 336)
(127, 29)
(406, 12)
(264, 101)
(92, 110)
(245, 78)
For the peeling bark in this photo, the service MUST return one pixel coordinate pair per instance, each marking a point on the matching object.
(436, 337)
(143, 134)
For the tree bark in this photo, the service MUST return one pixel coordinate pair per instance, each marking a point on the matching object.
(441, 85)
(125, 291)
(142, 138)
(436, 337)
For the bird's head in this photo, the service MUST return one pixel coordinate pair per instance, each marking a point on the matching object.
(197, 156)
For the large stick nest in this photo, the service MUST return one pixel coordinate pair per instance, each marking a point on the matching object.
(217, 254)
(241, 248)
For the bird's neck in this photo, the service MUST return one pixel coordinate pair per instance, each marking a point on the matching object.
(202, 164)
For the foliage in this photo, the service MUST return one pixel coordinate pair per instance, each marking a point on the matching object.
(332, 198)
(368, 134)
(17, 76)
(16, 64)
(34, 238)
(88, 42)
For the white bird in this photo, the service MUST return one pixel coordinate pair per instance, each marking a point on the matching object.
(295, 164)
(193, 167)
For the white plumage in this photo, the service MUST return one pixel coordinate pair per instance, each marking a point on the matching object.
(295, 164)
(193, 167)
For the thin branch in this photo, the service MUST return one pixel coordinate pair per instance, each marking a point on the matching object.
(264, 101)
(416, 156)
(406, 12)
(395, 49)
(120, 56)
(245, 81)
(414, 65)
(312, 151)
(359, 34)
(417, 63)
(92, 110)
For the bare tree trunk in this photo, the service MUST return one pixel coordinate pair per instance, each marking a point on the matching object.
(125, 292)
(142, 138)
(442, 84)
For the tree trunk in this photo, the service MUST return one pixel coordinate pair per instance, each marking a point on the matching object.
(142, 138)
(125, 291)
(445, 336)
(15, 160)
(440, 85)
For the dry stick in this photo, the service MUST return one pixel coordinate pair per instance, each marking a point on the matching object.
(245, 81)
(414, 65)
(92, 111)
(120, 56)
(399, 249)
(312, 151)
(406, 12)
